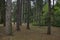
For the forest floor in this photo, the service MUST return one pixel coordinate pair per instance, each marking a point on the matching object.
(35, 33)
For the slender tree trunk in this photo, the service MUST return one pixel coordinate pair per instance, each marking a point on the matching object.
(53, 13)
(4, 11)
(28, 3)
(36, 13)
(8, 18)
(49, 18)
(18, 15)
(22, 12)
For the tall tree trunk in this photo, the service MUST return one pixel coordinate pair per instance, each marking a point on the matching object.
(20, 12)
(4, 11)
(8, 17)
(18, 15)
(49, 17)
(28, 3)
(53, 13)
(23, 10)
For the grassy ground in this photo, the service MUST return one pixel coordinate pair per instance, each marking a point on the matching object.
(35, 33)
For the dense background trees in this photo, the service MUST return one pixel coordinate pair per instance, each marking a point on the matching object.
(41, 13)
(34, 15)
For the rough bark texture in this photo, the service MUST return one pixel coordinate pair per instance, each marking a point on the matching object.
(8, 27)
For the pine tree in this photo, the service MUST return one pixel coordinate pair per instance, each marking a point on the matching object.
(28, 15)
(8, 17)
(49, 17)
(18, 15)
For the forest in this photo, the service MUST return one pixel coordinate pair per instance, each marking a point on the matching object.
(29, 19)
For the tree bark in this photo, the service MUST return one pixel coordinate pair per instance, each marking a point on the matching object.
(8, 17)
(19, 13)
(4, 11)
(28, 3)
(49, 17)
